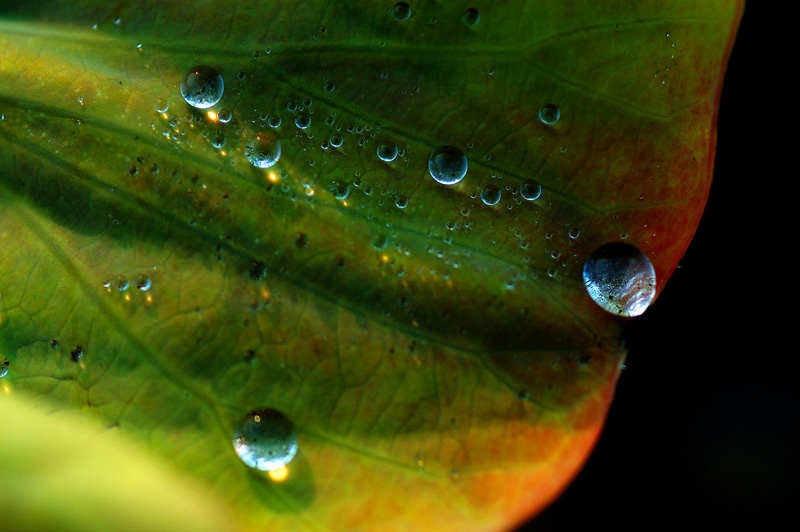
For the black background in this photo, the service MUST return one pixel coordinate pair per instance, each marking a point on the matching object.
(704, 429)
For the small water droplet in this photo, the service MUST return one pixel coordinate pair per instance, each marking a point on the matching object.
(264, 150)
(471, 16)
(620, 279)
(143, 283)
(574, 233)
(490, 195)
(224, 115)
(274, 121)
(387, 152)
(530, 190)
(202, 87)
(401, 11)
(302, 121)
(340, 190)
(265, 439)
(121, 283)
(336, 140)
(401, 202)
(4, 364)
(76, 353)
(448, 165)
(161, 105)
(549, 114)
(329, 87)
(379, 242)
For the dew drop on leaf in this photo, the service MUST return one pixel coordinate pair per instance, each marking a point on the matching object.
(161, 105)
(490, 195)
(225, 115)
(530, 190)
(265, 439)
(401, 202)
(340, 190)
(336, 140)
(401, 11)
(4, 363)
(549, 114)
(202, 87)
(471, 16)
(387, 152)
(274, 121)
(447, 165)
(121, 283)
(302, 121)
(143, 283)
(263, 150)
(76, 353)
(620, 279)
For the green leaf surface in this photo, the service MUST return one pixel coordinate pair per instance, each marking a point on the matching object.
(442, 363)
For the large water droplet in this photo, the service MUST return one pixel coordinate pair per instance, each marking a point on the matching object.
(530, 190)
(620, 278)
(471, 16)
(490, 195)
(264, 150)
(202, 87)
(549, 114)
(387, 152)
(401, 11)
(265, 439)
(448, 165)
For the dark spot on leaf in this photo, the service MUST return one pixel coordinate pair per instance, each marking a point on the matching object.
(301, 240)
(257, 271)
(76, 353)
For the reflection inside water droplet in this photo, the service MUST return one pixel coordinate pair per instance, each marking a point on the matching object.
(265, 439)
(264, 150)
(447, 165)
(620, 279)
(202, 87)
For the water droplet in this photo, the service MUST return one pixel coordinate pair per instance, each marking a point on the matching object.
(447, 165)
(336, 140)
(202, 87)
(121, 283)
(329, 87)
(274, 121)
(387, 152)
(574, 233)
(54, 343)
(265, 439)
(401, 202)
(471, 16)
(161, 105)
(218, 140)
(76, 353)
(264, 150)
(401, 11)
(490, 195)
(225, 115)
(340, 190)
(379, 242)
(530, 190)
(549, 114)
(302, 121)
(4, 364)
(257, 270)
(143, 283)
(620, 279)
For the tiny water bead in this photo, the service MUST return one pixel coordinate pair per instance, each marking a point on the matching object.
(336, 140)
(401, 202)
(161, 105)
(264, 150)
(121, 283)
(387, 152)
(340, 190)
(274, 121)
(620, 279)
(490, 195)
(4, 364)
(202, 87)
(448, 165)
(471, 16)
(143, 283)
(225, 115)
(265, 439)
(530, 190)
(401, 11)
(549, 114)
(302, 121)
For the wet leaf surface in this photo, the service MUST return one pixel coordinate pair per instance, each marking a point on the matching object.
(439, 358)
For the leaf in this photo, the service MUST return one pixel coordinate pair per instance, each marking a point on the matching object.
(442, 363)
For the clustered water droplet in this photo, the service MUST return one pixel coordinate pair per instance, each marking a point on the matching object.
(490, 195)
(202, 87)
(448, 165)
(265, 439)
(620, 279)
(530, 190)
(263, 150)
